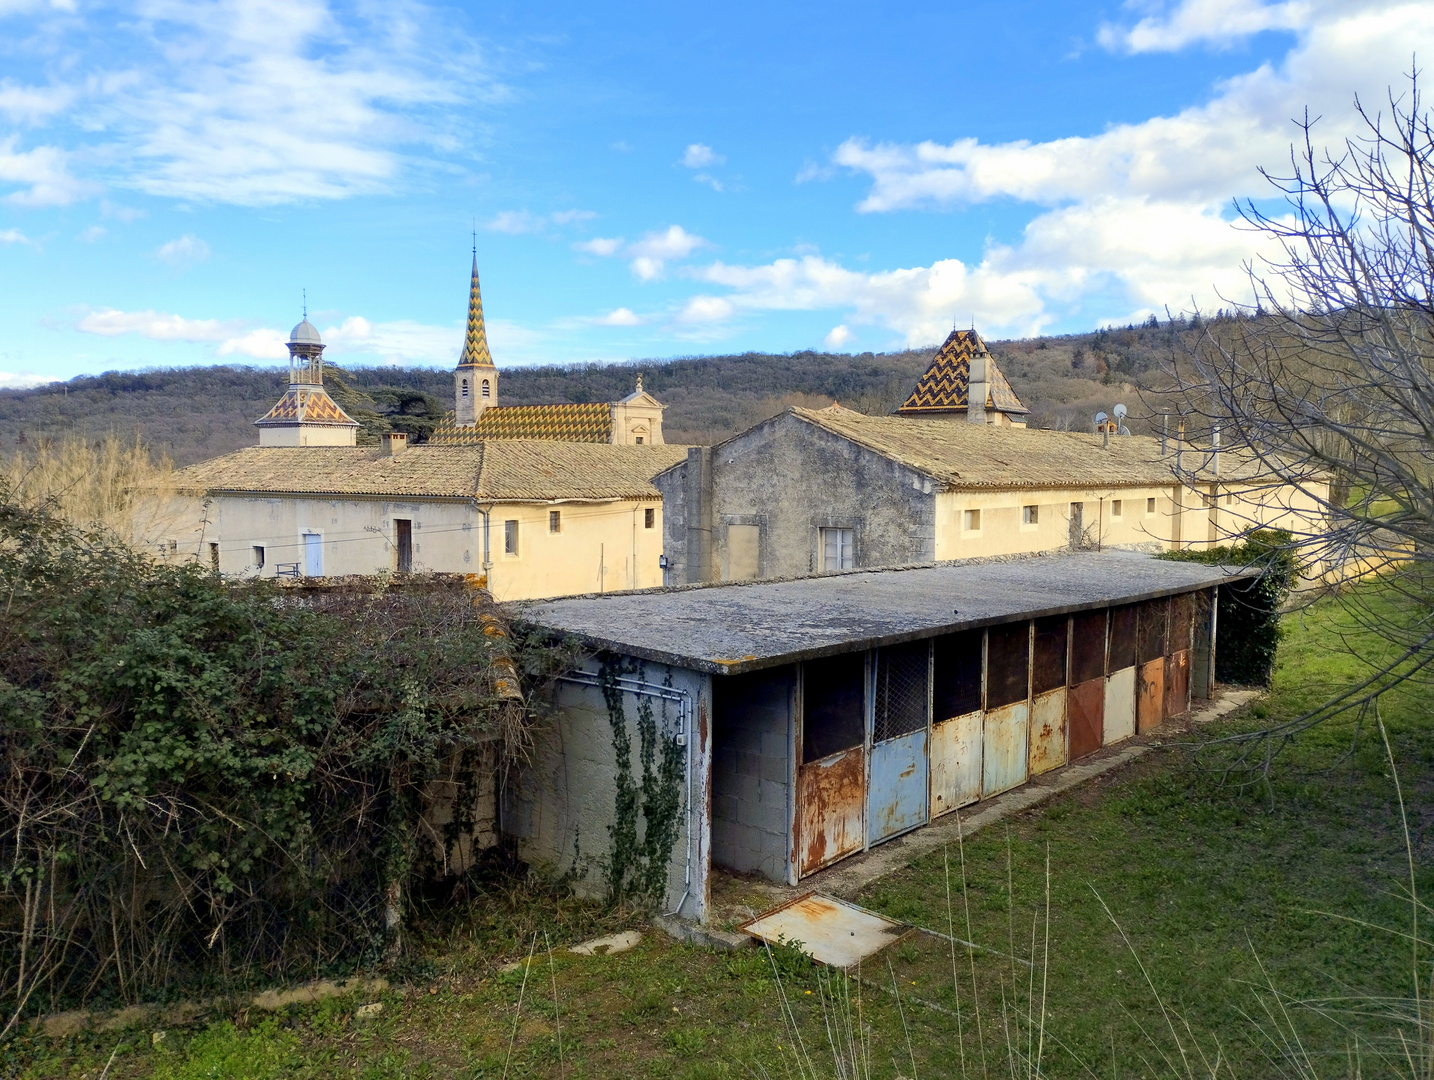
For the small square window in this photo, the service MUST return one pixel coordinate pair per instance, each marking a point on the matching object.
(555, 521)
(1030, 515)
(1116, 508)
(258, 557)
(837, 548)
(1229, 498)
(971, 521)
(639, 440)
(649, 518)
(1149, 507)
(510, 537)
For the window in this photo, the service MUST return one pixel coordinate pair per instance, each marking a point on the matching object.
(1229, 498)
(258, 557)
(214, 557)
(971, 520)
(1116, 508)
(555, 521)
(510, 537)
(173, 547)
(487, 390)
(1149, 507)
(403, 536)
(838, 549)
(465, 387)
(1030, 515)
(639, 440)
(649, 518)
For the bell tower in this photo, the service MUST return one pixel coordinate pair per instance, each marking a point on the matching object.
(475, 380)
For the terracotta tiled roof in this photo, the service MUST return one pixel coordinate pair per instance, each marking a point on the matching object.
(961, 456)
(514, 470)
(306, 405)
(946, 385)
(589, 422)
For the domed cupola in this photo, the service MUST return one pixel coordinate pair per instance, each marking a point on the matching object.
(306, 415)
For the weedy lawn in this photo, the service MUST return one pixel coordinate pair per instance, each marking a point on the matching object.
(1132, 928)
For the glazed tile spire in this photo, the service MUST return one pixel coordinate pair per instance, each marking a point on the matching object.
(475, 344)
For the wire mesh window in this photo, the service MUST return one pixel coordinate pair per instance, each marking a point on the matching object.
(833, 705)
(1122, 637)
(1153, 617)
(1087, 646)
(900, 701)
(1180, 612)
(1048, 666)
(956, 670)
(1008, 664)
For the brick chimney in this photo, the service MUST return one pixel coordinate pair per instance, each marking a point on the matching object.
(394, 443)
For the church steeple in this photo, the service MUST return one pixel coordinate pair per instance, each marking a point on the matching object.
(475, 381)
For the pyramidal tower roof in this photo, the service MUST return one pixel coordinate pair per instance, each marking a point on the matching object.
(946, 386)
(475, 343)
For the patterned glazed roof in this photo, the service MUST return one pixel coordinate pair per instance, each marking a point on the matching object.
(514, 471)
(306, 405)
(946, 385)
(475, 342)
(589, 422)
(981, 456)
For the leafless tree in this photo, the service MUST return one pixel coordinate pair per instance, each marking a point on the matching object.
(1324, 377)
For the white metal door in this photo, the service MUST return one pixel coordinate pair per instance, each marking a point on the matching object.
(313, 555)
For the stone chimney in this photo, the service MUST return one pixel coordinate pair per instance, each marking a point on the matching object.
(394, 443)
(979, 384)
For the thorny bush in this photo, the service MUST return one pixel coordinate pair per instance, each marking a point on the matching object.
(208, 783)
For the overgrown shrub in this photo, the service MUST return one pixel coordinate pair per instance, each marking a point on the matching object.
(207, 782)
(1248, 618)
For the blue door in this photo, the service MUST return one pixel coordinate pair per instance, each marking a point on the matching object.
(897, 792)
(313, 555)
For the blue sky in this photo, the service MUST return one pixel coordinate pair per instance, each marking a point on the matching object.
(646, 179)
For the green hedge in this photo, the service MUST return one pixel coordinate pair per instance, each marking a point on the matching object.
(1248, 620)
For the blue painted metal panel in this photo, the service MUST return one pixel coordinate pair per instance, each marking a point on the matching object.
(897, 792)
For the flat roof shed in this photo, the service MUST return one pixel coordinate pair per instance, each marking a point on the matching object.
(818, 716)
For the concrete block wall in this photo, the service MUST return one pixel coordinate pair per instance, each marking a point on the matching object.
(751, 772)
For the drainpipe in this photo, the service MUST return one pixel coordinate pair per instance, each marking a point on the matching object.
(685, 734)
(487, 565)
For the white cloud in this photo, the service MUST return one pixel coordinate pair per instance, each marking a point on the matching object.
(837, 336)
(93, 234)
(649, 256)
(1220, 22)
(600, 245)
(620, 317)
(157, 326)
(401, 341)
(42, 175)
(701, 156)
(571, 217)
(710, 181)
(184, 251)
(33, 104)
(517, 222)
(258, 344)
(13, 236)
(23, 380)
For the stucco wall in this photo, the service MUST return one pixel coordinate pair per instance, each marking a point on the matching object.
(792, 479)
(1004, 531)
(599, 547)
(562, 807)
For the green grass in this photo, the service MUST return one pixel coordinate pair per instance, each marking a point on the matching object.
(1203, 878)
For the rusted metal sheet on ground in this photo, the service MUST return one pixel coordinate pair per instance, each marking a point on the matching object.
(1150, 695)
(955, 763)
(898, 787)
(832, 931)
(1119, 719)
(1085, 717)
(1003, 748)
(1177, 683)
(1048, 731)
(831, 795)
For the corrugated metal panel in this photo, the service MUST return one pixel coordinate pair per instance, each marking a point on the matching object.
(897, 786)
(1085, 717)
(833, 931)
(1048, 731)
(956, 762)
(1003, 748)
(831, 795)
(1150, 699)
(1177, 683)
(1119, 720)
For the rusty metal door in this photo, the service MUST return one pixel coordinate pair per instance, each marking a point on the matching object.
(831, 781)
(1008, 708)
(1177, 683)
(898, 787)
(1151, 636)
(1085, 702)
(1048, 694)
(957, 662)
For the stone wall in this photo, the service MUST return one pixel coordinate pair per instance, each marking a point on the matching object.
(752, 772)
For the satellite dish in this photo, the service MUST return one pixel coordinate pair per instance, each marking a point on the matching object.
(1100, 418)
(1123, 430)
(1119, 411)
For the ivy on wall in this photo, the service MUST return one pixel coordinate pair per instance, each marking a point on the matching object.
(645, 810)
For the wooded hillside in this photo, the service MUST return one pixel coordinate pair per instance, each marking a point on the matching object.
(195, 413)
